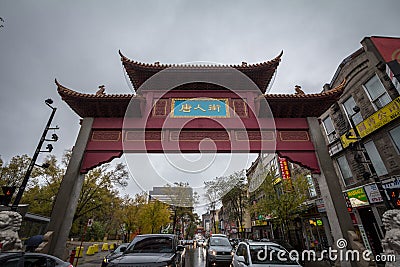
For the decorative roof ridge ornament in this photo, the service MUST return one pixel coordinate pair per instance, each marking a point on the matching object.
(101, 90)
(337, 91)
(65, 91)
(298, 91)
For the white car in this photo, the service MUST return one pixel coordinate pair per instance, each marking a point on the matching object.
(258, 254)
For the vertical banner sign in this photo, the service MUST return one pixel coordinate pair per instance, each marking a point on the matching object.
(283, 164)
(348, 204)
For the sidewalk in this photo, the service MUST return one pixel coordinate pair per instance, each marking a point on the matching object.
(88, 260)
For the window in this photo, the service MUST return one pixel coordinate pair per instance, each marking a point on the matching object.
(348, 105)
(377, 92)
(395, 135)
(329, 129)
(345, 170)
(375, 158)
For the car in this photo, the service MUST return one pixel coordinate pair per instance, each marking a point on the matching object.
(152, 250)
(251, 254)
(31, 259)
(219, 251)
(114, 254)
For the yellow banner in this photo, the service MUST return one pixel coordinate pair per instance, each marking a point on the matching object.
(380, 118)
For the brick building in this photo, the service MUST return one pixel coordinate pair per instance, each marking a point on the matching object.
(369, 167)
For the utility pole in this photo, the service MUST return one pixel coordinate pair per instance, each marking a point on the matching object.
(49, 148)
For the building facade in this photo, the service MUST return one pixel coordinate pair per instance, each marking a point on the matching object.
(310, 227)
(362, 132)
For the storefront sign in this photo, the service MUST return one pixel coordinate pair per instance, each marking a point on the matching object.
(200, 107)
(380, 118)
(283, 164)
(393, 184)
(277, 181)
(373, 194)
(320, 205)
(357, 197)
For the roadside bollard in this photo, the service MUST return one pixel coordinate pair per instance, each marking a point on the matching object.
(72, 256)
(112, 246)
(95, 248)
(90, 251)
(104, 247)
(79, 252)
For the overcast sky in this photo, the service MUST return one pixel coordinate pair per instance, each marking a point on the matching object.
(77, 42)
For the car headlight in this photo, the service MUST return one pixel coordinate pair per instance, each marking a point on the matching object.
(105, 260)
(212, 252)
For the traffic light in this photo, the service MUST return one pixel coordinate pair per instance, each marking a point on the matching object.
(394, 194)
(8, 192)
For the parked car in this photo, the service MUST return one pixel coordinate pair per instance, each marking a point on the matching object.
(152, 250)
(260, 254)
(114, 254)
(11, 259)
(219, 251)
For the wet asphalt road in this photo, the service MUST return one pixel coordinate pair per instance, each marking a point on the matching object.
(195, 257)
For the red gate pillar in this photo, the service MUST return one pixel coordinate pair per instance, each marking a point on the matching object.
(338, 216)
(68, 195)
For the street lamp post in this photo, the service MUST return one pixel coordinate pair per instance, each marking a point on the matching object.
(49, 148)
(367, 159)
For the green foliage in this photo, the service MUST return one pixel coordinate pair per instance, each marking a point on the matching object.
(281, 200)
(99, 198)
(154, 215)
(96, 232)
(231, 190)
(13, 173)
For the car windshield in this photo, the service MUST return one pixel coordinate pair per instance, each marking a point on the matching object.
(262, 254)
(118, 250)
(153, 245)
(220, 241)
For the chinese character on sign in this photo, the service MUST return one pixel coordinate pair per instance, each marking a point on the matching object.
(198, 107)
(185, 107)
(214, 107)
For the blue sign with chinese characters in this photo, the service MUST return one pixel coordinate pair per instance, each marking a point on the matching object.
(200, 107)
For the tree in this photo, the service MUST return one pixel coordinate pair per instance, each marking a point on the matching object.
(181, 200)
(13, 173)
(41, 191)
(231, 190)
(99, 198)
(236, 201)
(129, 213)
(281, 200)
(154, 215)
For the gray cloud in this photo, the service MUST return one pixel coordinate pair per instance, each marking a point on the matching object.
(77, 42)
